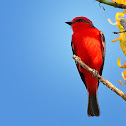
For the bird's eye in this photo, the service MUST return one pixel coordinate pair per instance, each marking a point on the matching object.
(79, 20)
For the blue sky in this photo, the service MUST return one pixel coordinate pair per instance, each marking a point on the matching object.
(39, 82)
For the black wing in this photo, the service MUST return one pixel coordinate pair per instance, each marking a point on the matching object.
(81, 74)
(103, 50)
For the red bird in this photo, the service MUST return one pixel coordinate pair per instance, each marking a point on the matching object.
(88, 43)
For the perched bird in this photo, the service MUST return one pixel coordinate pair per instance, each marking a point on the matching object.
(88, 43)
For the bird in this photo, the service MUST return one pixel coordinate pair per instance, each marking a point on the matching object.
(88, 43)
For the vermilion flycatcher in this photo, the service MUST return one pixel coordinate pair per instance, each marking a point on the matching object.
(88, 43)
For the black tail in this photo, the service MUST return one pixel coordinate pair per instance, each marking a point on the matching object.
(93, 107)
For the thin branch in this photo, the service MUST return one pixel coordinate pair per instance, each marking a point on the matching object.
(118, 32)
(96, 75)
(122, 6)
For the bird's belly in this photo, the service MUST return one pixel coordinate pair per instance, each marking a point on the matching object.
(88, 47)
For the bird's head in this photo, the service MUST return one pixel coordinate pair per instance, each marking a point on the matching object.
(80, 23)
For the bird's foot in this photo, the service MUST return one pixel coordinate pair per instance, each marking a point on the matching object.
(94, 73)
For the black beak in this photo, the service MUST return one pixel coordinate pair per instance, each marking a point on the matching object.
(69, 23)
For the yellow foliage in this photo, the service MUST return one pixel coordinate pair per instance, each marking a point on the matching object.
(119, 63)
(119, 1)
(121, 82)
(124, 72)
(122, 37)
(124, 77)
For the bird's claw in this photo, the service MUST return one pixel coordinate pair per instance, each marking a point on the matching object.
(75, 62)
(77, 59)
(94, 73)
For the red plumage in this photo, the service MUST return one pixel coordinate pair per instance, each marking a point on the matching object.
(88, 43)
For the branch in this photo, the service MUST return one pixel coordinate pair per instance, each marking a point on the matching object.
(122, 6)
(96, 75)
(118, 32)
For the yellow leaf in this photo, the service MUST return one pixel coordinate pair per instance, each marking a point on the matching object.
(121, 82)
(123, 42)
(119, 63)
(124, 74)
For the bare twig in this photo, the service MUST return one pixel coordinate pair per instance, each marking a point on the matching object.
(118, 32)
(101, 6)
(112, 4)
(101, 79)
